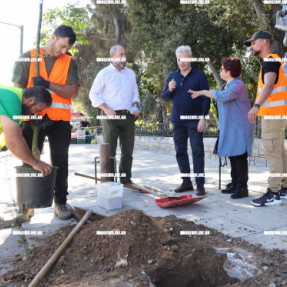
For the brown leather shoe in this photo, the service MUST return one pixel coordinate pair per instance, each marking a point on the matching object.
(200, 189)
(185, 186)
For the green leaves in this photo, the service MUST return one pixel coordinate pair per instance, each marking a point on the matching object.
(151, 31)
(70, 15)
(215, 31)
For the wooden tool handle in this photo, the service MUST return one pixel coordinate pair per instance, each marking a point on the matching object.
(91, 177)
(155, 189)
(140, 187)
(36, 281)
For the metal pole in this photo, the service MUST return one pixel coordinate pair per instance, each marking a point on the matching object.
(21, 27)
(35, 148)
(219, 181)
(38, 37)
(105, 162)
(21, 39)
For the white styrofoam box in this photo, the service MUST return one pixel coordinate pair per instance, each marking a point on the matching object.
(110, 203)
(110, 195)
(109, 189)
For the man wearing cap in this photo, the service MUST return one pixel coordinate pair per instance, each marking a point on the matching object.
(271, 105)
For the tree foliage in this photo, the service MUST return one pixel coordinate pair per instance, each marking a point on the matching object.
(152, 30)
(215, 31)
(70, 15)
(107, 26)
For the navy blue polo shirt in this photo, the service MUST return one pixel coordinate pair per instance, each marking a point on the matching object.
(182, 102)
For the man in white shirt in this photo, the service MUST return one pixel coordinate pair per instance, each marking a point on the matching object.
(115, 91)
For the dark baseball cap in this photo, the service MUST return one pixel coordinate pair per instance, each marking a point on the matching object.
(258, 35)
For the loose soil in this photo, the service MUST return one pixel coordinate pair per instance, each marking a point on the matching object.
(152, 253)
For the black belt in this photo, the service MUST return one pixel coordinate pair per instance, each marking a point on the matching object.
(123, 111)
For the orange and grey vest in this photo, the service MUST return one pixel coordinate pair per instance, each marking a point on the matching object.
(276, 103)
(60, 109)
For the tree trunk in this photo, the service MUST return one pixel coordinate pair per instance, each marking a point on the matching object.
(117, 29)
(165, 118)
(215, 74)
(265, 23)
(258, 6)
(278, 35)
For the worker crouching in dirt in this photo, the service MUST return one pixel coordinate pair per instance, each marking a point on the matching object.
(188, 118)
(59, 74)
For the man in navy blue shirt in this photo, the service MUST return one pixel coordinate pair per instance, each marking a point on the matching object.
(188, 117)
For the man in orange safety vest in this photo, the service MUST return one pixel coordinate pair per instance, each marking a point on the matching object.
(271, 106)
(59, 74)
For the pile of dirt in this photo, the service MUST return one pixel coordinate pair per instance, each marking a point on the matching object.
(146, 251)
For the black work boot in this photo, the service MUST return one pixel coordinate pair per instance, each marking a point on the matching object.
(240, 193)
(230, 188)
(62, 211)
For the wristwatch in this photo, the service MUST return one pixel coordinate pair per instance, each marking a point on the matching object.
(256, 106)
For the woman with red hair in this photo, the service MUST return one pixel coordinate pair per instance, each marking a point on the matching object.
(236, 132)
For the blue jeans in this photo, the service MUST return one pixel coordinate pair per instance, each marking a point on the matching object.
(181, 132)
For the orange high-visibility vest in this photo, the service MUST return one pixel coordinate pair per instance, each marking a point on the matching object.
(276, 103)
(60, 109)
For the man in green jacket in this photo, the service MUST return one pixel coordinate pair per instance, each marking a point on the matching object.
(14, 103)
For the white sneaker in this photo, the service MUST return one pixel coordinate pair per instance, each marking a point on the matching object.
(283, 192)
(268, 199)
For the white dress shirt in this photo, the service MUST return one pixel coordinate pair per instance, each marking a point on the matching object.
(118, 90)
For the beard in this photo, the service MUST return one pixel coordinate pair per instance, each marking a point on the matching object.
(26, 110)
(122, 65)
(119, 65)
(256, 53)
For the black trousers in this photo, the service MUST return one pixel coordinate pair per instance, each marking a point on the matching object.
(59, 136)
(239, 170)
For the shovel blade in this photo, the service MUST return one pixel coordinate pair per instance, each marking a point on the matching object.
(177, 201)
